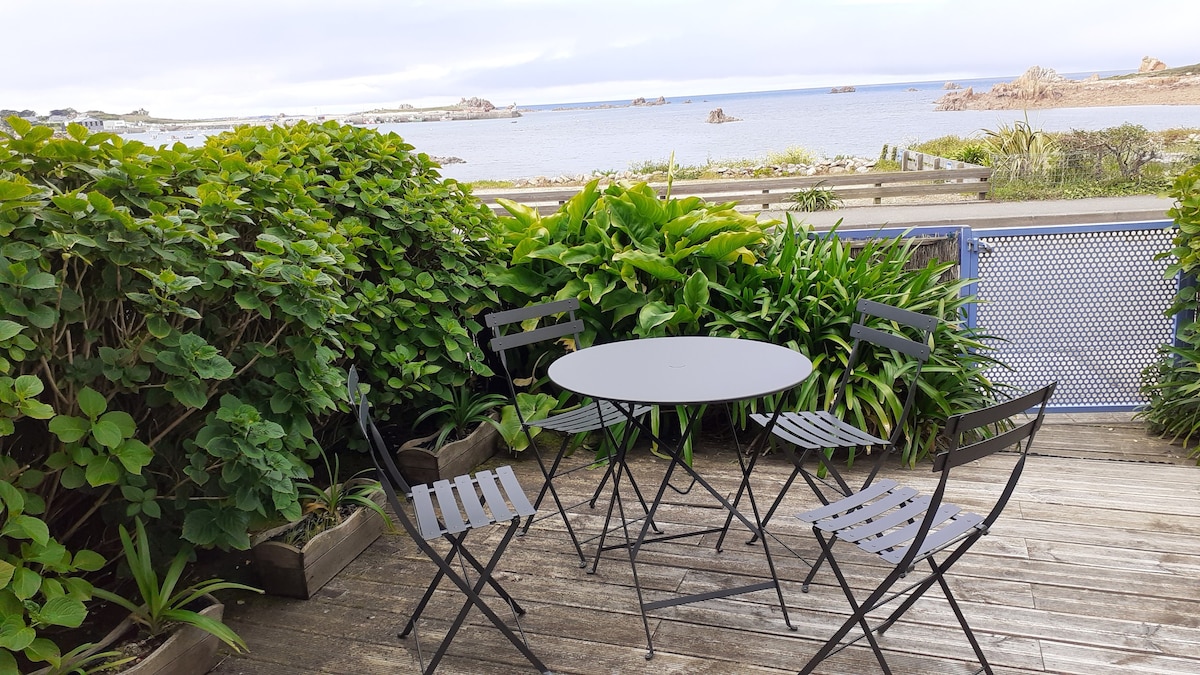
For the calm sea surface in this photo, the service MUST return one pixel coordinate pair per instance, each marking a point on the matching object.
(548, 142)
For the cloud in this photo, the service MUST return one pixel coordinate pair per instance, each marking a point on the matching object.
(216, 57)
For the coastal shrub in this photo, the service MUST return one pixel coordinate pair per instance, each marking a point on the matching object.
(176, 321)
(642, 265)
(815, 198)
(1019, 150)
(803, 295)
(648, 267)
(1172, 384)
(960, 148)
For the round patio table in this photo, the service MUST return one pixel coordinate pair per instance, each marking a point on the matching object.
(682, 371)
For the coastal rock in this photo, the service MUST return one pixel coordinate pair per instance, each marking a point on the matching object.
(1151, 64)
(951, 86)
(448, 160)
(718, 116)
(912, 89)
(475, 103)
(841, 90)
(661, 100)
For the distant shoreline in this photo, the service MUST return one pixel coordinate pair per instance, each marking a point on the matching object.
(1040, 89)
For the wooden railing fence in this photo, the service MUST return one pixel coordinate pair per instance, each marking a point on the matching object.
(775, 193)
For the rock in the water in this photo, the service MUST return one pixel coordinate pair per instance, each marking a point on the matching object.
(718, 116)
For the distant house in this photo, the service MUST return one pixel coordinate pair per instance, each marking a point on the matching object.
(89, 123)
(116, 125)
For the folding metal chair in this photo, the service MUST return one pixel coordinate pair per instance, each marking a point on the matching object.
(589, 416)
(823, 432)
(438, 511)
(904, 528)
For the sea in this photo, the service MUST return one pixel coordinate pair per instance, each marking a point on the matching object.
(553, 140)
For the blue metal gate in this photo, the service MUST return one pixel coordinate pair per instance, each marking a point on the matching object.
(1081, 304)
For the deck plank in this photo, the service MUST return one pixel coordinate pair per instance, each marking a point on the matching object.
(1091, 570)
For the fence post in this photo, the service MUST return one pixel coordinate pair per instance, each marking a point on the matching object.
(766, 206)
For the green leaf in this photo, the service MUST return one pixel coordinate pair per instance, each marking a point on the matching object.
(190, 393)
(25, 583)
(88, 561)
(158, 326)
(92, 403)
(107, 434)
(21, 526)
(102, 470)
(42, 649)
(15, 636)
(10, 191)
(134, 455)
(63, 611)
(69, 429)
(11, 498)
(123, 420)
(6, 573)
(657, 266)
(695, 291)
(9, 329)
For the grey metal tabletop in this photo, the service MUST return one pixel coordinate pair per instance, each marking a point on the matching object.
(681, 370)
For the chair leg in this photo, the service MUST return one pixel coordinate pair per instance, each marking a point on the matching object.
(548, 485)
(473, 598)
(858, 611)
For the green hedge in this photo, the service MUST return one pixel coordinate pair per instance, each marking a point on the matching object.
(177, 322)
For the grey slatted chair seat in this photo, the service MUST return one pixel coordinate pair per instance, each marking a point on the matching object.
(591, 417)
(906, 528)
(503, 500)
(815, 430)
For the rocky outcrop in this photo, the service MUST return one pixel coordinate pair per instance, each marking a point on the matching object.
(841, 90)
(1151, 64)
(1044, 88)
(718, 116)
(661, 100)
(475, 103)
(950, 86)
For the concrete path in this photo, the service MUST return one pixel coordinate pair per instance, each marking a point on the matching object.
(993, 214)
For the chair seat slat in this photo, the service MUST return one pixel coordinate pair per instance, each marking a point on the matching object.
(906, 533)
(427, 520)
(910, 510)
(885, 503)
(448, 505)
(465, 487)
(491, 495)
(857, 499)
(516, 495)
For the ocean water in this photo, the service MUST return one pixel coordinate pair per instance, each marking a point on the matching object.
(546, 141)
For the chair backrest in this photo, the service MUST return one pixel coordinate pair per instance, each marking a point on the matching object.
(390, 478)
(918, 351)
(962, 431)
(505, 338)
(969, 428)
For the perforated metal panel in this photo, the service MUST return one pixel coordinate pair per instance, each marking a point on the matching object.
(1083, 305)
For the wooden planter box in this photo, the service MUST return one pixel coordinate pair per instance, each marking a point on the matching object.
(419, 464)
(294, 572)
(188, 651)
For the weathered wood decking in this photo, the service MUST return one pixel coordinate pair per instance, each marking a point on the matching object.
(1093, 569)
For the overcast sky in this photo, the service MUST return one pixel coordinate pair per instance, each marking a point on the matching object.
(209, 58)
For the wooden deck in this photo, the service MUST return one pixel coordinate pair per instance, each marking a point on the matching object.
(1093, 569)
